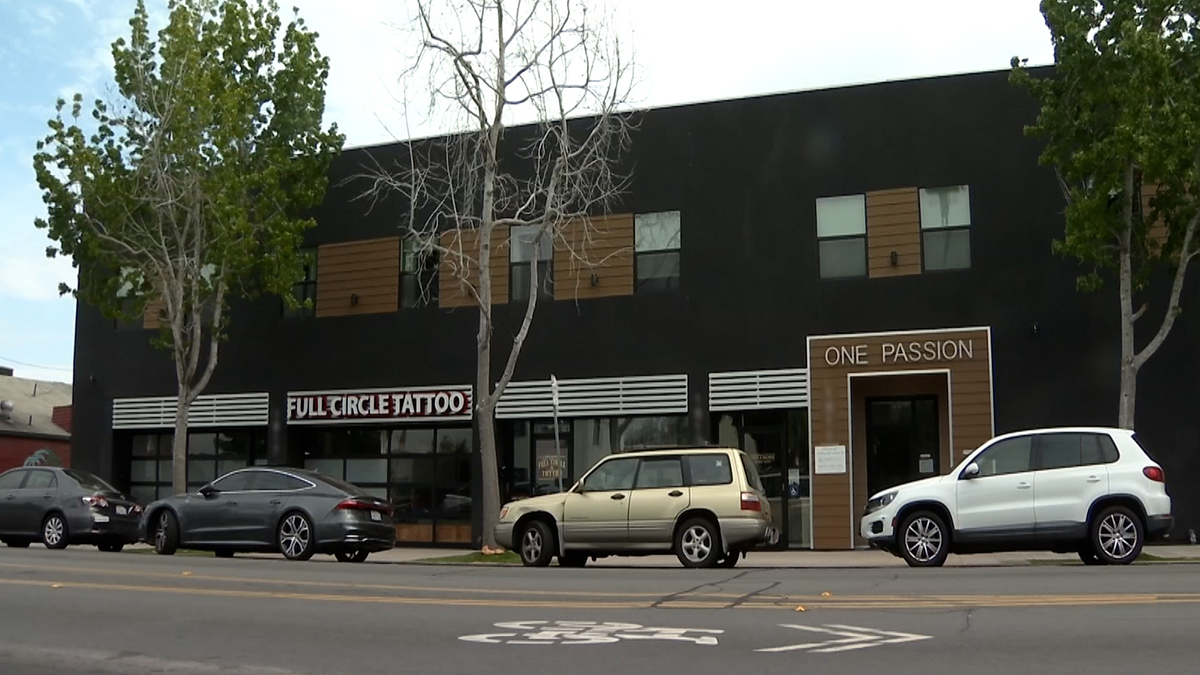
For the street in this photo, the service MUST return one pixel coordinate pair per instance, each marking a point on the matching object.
(83, 612)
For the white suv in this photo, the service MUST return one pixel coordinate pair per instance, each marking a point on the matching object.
(1089, 490)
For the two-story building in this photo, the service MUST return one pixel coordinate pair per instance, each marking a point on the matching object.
(855, 285)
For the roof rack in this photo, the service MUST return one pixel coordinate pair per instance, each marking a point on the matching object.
(657, 448)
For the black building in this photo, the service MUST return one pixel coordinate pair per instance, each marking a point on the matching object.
(855, 285)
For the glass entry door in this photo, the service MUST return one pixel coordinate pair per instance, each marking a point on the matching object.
(767, 446)
(902, 441)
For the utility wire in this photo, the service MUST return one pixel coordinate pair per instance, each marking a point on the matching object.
(34, 365)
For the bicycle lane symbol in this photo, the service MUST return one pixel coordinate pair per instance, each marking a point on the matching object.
(589, 633)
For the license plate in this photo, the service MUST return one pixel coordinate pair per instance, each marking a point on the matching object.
(376, 516)
(120, 510)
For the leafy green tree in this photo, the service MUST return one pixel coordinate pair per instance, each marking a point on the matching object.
(1120, 116)
(193, 185)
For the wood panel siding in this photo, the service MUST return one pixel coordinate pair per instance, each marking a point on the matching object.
(455, 272)
(965, 408)
(368, 269)
(154, 313)
(1158, 229)
(602, 246)
(893, 224)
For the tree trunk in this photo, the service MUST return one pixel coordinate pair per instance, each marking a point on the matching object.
(179, 446)
(1128, 394)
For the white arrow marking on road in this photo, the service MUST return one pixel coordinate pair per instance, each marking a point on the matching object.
(853, 637)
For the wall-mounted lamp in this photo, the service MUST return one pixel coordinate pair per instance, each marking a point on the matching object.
(895, 258)
(353, 299)
(595, 279)
(1035, 328)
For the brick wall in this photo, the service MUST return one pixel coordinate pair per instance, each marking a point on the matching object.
(14, 450)
(62, 417)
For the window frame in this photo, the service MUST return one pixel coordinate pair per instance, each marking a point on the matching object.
(307, 286)
(611, 459)
(674, 248)
(545, 264)
(20, 473)
(677, 459)
(689, 475)
(965, 228)
(426, 264)
(861, 197)
(1029, 438)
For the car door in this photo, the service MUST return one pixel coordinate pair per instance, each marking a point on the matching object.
(596, 514)
(998, 502)
(10, 488)
(658, 497)
(211, 518)
(259, 507)
(1070, 476)
(34, 499)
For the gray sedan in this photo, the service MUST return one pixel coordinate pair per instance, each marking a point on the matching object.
(60, 507)
(272, 510)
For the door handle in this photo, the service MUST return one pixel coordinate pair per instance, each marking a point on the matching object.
(674, 493)
(1093, 479)
(231, 503)
(276, 502)
(1023, 486)
(617, 496)
(47, 496)
(11, 497)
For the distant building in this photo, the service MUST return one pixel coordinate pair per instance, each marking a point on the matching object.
(35, 422)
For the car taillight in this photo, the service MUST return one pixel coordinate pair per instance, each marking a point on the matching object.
(97, 501)
(1155, 474)
(354, 504)
(751, 502)
(136, 508)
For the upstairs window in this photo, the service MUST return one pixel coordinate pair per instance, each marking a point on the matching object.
(306, 287)
(657, 239)
(418, 273)
(520, 259)
(946, 227)
(842, 236)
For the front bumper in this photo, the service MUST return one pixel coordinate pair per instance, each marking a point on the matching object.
(878, 528)
(504, 535)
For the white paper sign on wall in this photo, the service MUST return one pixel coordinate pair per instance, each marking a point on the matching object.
(829, 459)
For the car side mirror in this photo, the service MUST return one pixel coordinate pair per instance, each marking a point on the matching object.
(971, 471)
(208, 491)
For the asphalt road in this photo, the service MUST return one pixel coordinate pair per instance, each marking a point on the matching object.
(88, 613)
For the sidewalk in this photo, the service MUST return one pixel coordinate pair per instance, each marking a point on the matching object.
(823, 559)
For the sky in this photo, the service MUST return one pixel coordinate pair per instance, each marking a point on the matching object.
(686, 51)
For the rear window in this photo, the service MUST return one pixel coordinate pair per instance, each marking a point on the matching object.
(1138, 442)
(751, 472)
(87, 481)
(710, 469)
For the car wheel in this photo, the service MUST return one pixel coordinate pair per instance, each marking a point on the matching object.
(352, 557)
(111, 548)
(223, 554)
(573, 560)
(296, 537)
(697, 543)
(166, 533)
(537, 544)
(17, 543)
(54, 531)
(730, 560)
(1117, 536)
(923, 540)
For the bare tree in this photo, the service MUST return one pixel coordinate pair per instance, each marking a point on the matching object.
(556, 66)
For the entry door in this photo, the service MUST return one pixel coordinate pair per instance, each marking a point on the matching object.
(902, 441)
(550, 458)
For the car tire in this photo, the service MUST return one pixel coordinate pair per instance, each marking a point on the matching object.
(295, 537)
(536, 544)
(352, 556)
(573, 560)
(1117, 536)
(111, 548)
(166, 533)
(924, 540)
(698, 543)
(17, 543)
(223, 553)
(730, 560)
(1089, 557)
(54, 531)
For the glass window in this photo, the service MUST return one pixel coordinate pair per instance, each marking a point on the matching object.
(641, 432)
(522, 238)
(40, 480)
(11, 480)
(593, 441)
(454, 440)
(1060, 450)
(1008, 456)
(367, 470)
(269, 481)
(411, 441)
(658, 238)
(614, 474)
(411, 470)
(234, 482)
(520, 254)
(710, 469)
(751, 472)
(842, 236)
(87, 481)
(201, 471)
(945, 225)
(1099, 449)
(666, 472)
(143, 494)
(145, 445)
(306, 287)
(327, 467)
(202, 444)
(143, 471)
(418, 273)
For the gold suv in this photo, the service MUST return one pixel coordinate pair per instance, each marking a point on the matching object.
(704, 504)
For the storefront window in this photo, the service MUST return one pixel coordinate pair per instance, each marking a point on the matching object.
(210, 454)
(358, 456)
(595, 439)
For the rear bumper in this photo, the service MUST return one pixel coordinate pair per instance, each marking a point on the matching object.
(1157, 527)
(103, 529)
(359, 536)
(746, 533)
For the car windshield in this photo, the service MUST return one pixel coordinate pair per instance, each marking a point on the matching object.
(87, 481)
(751, 473)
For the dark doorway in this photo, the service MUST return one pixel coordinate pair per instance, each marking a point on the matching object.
(902, 440)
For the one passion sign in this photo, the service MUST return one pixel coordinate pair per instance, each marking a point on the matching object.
(379, 405)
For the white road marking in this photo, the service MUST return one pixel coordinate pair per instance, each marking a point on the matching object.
(852, 637)
(588, 633)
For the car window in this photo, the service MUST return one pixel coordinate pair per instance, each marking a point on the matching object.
(615, 474)
(87, 481)
(751, 472)
(40, 480)
(1060, 451)
(234, 482)
(273, 480)
(710, 469)
(1004, 457)
(11, 480)
(1102, 451)
(666, 472)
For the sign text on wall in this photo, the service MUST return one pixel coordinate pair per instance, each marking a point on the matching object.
(398, 404)
(915, 351)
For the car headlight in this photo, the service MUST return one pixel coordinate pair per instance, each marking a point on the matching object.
(503, 512)
(879, 502)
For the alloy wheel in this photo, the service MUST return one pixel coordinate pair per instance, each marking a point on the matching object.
(53, 531)
(531, 544)
(923, 539)
(1118, 535)
(294, 535)
(160, 533)
(696, 543)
